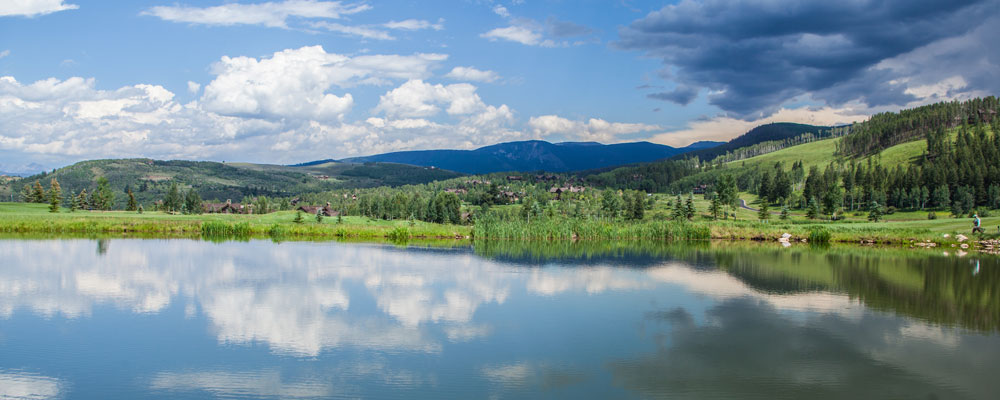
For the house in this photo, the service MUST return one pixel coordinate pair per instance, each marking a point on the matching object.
(223, 208)
(513, 178)
(456, 191)
(558, 191)
(700, 189)
(510, 196)
(326, 210)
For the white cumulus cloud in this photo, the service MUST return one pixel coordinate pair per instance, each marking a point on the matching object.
(594, 129)
(472, 74)
(270, 14)
(417, 98)
(33, 8)
(293, 83)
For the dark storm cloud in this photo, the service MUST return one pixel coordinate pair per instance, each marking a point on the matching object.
(757, 54)
(748, 349)
(682, 95)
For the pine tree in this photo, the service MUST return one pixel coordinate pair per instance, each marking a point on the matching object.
(874, 212)
(139, 210)
(81, 200)
(784, 212)
(131, 201)
(26, 193)
(298, 217)
(679, 211)
(104, 198)
(37, 193)
(715, 208)
(638, 206)
(689, 210)
(72, 202)
(55, 196)
(812, 211)
(763, 214)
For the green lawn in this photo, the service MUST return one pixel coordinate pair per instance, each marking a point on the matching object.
(23, 217)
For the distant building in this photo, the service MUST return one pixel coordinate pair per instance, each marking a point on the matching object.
(223, 208)
(558, 191)
(326, 210)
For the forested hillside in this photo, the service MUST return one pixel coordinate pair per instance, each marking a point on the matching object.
(885, 130)
(763, 139)
(150, 179)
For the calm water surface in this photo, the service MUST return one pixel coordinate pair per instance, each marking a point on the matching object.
(100, 319)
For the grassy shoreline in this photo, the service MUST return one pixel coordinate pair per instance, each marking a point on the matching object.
(34, 219)
(19, 218)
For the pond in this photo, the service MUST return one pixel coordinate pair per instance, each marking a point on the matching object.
(120, 318)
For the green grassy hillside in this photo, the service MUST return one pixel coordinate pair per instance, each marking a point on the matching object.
(823, 152)
(150, 179)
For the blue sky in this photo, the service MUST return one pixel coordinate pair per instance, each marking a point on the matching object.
(285, 81)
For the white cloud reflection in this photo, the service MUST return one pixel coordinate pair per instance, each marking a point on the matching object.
(27, 386)
(303, 298)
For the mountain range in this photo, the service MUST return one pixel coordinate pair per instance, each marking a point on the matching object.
(531, 155)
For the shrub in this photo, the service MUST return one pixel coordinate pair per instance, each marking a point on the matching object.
(399, 234)
(819, 236)
(932, 215)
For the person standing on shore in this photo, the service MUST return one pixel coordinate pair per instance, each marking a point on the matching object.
(977, 224)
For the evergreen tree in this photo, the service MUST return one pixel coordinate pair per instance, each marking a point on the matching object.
(763, 214)
(298, 217)
(689, 210)
(26, 193)
(832, 199)
(55, 196)
(37, 193)
(131, 201)
(874, 212)
(173, 202)
(192, 202)
(764, 188)
(941, 197)
(104, 198)
(319, 215)
(81, 200)
(638, 206)
(679, 211)
(812, 210)
(72, 202)
(139, 210)
(715, 208)
(784, 212)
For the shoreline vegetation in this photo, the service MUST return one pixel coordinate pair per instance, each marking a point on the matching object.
(27, 220)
